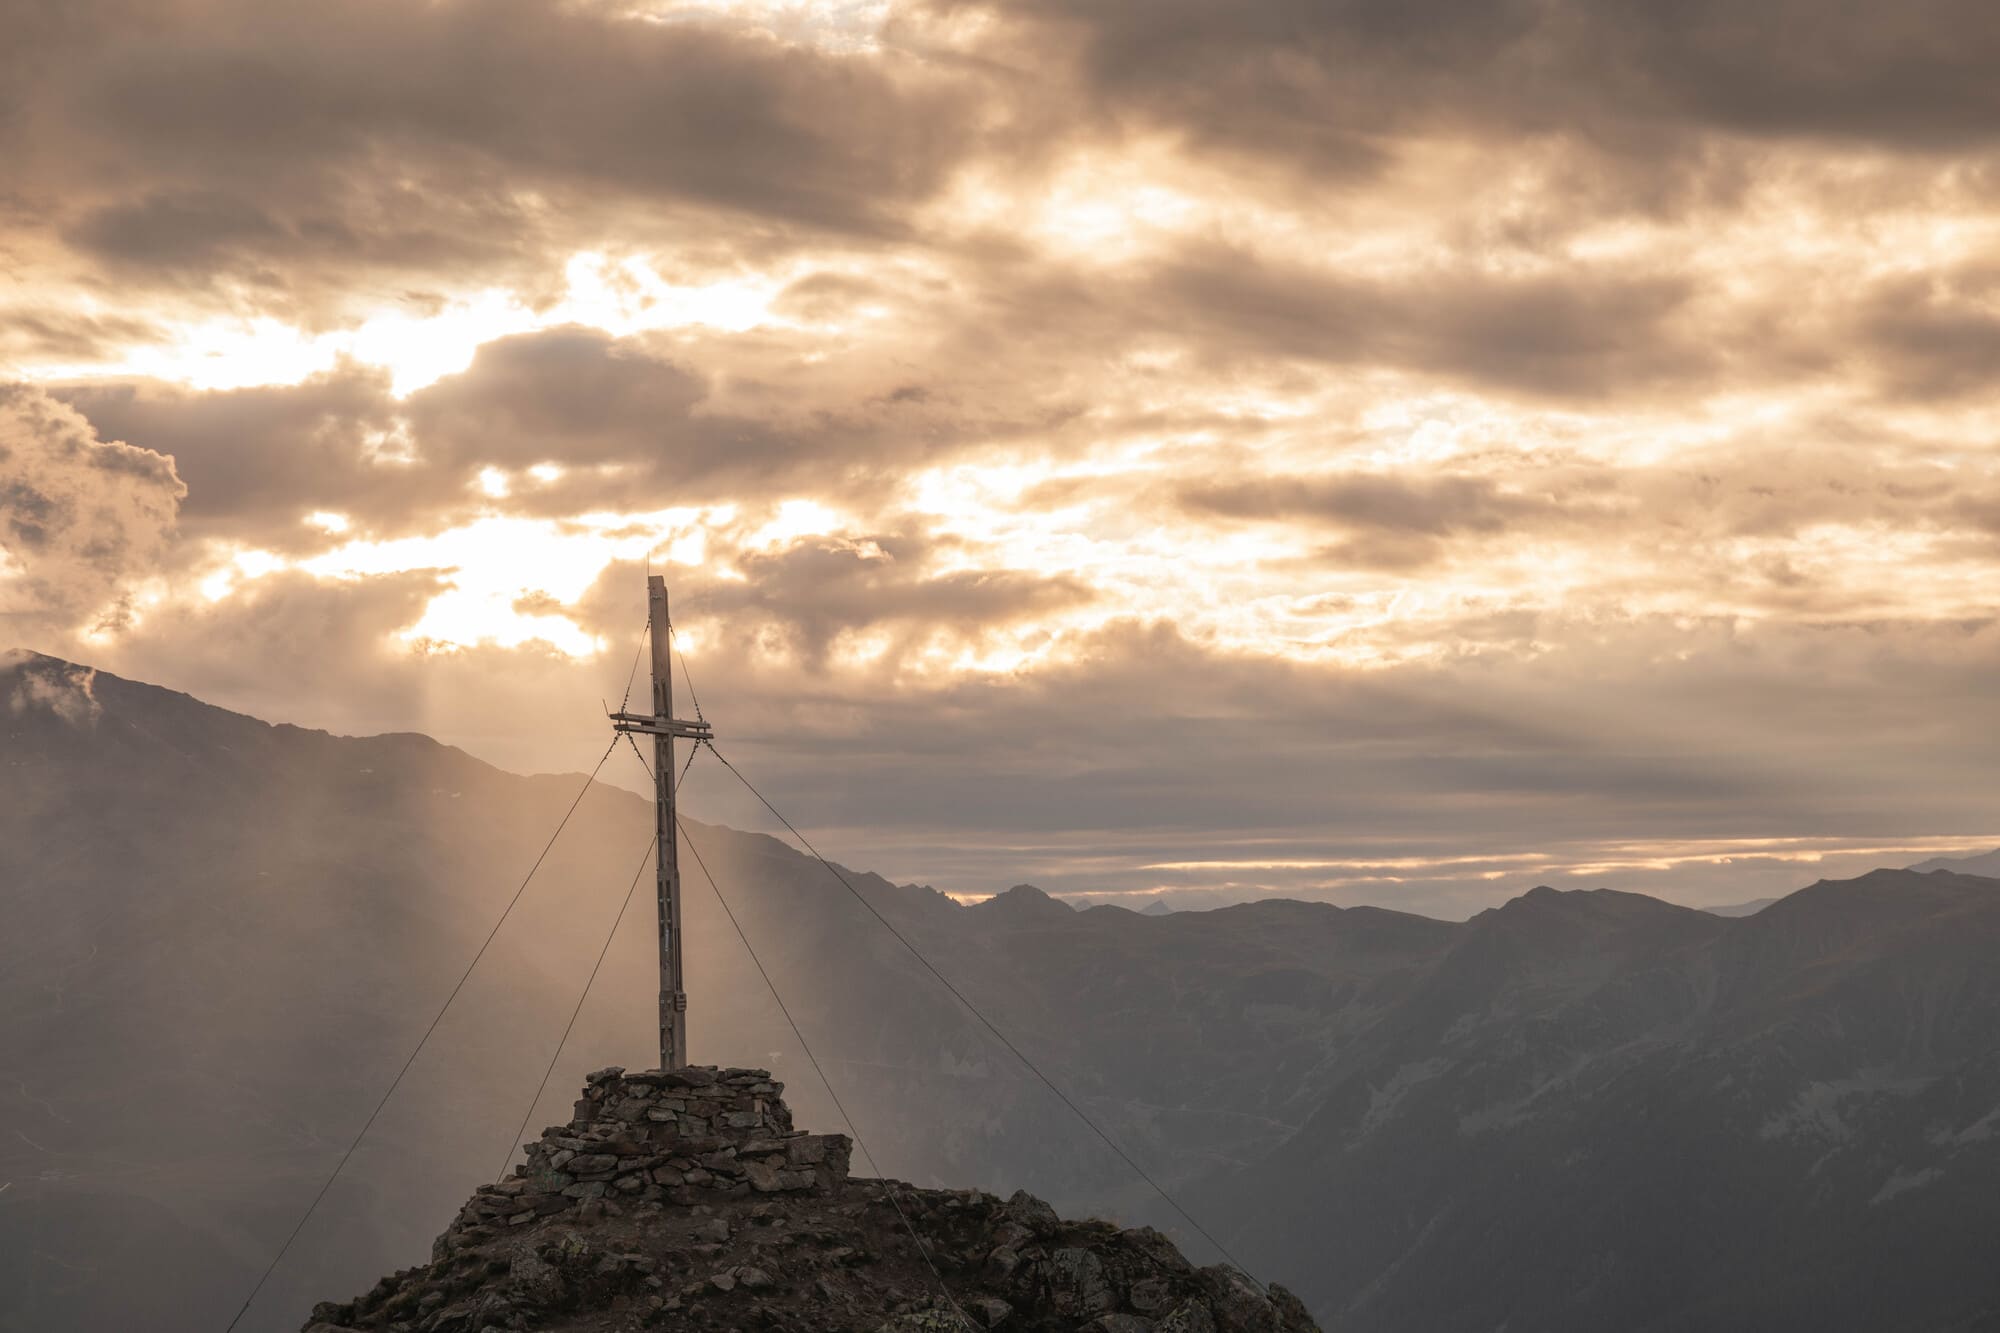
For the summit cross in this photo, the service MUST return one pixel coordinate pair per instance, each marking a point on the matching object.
(664, 727)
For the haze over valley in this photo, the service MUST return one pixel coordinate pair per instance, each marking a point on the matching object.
(1719, 1119)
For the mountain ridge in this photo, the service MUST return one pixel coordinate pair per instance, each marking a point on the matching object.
(1351, 1097)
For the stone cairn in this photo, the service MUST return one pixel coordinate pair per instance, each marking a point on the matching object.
(684, 1199)
(664, 1136)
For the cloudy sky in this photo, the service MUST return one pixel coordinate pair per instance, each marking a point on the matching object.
(1376, 450)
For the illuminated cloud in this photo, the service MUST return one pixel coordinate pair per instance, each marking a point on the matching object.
(81, 518)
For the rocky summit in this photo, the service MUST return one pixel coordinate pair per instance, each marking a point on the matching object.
(685, 1199)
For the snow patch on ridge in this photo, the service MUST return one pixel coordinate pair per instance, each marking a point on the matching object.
(1819, 1112)
(1901, 1182)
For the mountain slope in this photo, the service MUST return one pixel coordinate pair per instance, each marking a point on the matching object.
(1606, 1116)
(1576, 1111)
(223, 938)
(254, 924)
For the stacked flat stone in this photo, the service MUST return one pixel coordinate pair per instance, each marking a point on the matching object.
(672, 1136)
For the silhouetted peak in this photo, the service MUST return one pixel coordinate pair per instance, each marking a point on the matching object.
(1981, 863)
(17, 659)
(1555, 923)
(1025, 900)
(1610, 907)
(1902, 893)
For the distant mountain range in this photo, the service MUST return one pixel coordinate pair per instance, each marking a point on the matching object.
(1751, 908)
(1595, 1110)
(1986, 864)
(1577, 1111)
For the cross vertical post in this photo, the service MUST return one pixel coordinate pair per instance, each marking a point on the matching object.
(667, 865)
(663, 727)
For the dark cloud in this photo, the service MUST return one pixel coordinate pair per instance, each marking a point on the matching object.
(1908, 76)
(173, 230)
(51, 333)
(1981, 511)
(1427, 506)
(1337, 87)
(257, 460)
(297, 148)
(1933, 337)
(1574, 332)
(817, 589)
(1401, 523)
(575, 395)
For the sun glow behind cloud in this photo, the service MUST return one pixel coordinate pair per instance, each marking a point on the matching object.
(851, 26)
(503, 576)
(421, 344)
(1256, 588)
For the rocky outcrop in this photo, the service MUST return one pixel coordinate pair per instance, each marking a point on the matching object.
(685, 1199)
(676, 1136)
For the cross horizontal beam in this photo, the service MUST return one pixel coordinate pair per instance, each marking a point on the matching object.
(647, 725)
